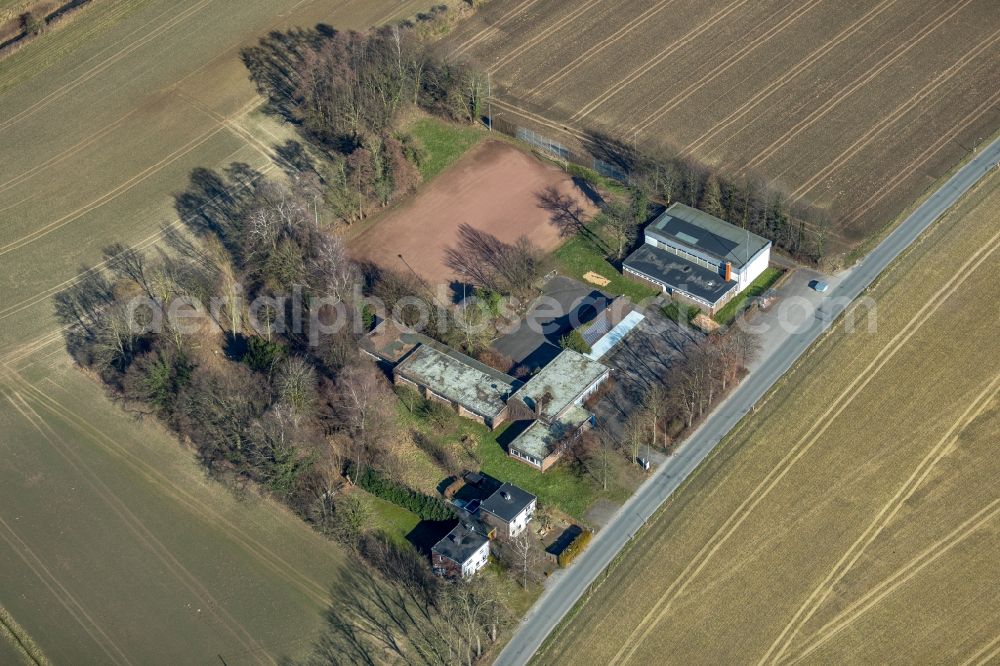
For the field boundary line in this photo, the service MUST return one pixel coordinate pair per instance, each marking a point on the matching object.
(903, 575)
(486, 32)
(885, 516)
(797, 451)
(745, 50)
(63, 595)
(912, 167)
(260, 551)
(563, 22)
(859, 81)
(689, 36)
(227, 122)
(888, 121)
(815, 56)
(144, 534)
(104, 64)
(541, 120)
(573, 64)
(22, 641)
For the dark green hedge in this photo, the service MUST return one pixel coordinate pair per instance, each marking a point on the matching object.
(574, 548)
(424, 506)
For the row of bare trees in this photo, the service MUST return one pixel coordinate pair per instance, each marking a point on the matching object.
(664, 410)
(346, 92)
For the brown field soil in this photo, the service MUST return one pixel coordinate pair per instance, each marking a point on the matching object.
(494, 188)
(853, 107)
(855, 518)
(115, 546)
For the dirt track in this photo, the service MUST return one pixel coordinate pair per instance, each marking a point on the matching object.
(856, 107)
(493, 188)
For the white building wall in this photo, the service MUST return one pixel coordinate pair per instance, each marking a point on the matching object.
(753, 270)
(477, 561)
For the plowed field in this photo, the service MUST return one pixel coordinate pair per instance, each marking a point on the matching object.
(852, 106)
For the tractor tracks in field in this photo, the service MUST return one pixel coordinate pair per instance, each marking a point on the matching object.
(104, 64)
(59, 592)
(815, 56)
(856, 84)
(890, 119)
(490, 30)
(274, 562)
(882, 520)
(562, 23)
(837, 406)
(903, 575)
(682, 41)
(722, 67)
(142, 533)
(614, 37)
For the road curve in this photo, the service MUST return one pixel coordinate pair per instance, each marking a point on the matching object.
(566, 587)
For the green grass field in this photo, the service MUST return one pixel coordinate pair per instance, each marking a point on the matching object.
(581, 253)
(443, 142)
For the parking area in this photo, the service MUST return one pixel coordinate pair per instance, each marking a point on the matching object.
(795, 304)
(564, 304)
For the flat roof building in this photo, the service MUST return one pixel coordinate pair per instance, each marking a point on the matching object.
(474, 389)
(555, 396)
(699, 257)
(566, 381)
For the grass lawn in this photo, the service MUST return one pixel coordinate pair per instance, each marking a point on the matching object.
(763, 282)
(559, 486)
(394, 520)
(581, 254)
(443, 143)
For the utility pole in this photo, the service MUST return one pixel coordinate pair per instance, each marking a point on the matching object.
(489, 100)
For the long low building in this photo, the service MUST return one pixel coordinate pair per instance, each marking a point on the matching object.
(473, 389)
(697, 257)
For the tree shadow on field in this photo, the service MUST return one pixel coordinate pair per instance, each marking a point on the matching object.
(273, 64)
(214, 204)
(372, 621)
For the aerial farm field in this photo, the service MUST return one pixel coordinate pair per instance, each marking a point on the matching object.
(855, 107)
(493, 188)
(855, 518)
(108, 528)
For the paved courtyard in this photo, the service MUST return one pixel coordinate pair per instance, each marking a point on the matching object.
(564, 304)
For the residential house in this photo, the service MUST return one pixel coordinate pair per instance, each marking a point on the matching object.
(509, 509)
(462, 552)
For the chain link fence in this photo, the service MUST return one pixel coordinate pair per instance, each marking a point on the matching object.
(558, 150)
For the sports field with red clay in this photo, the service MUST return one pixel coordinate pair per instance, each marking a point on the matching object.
(494, 188)
(852, 106)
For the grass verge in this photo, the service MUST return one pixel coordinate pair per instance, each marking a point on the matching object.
(730, 310)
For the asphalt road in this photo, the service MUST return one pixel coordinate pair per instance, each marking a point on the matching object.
(566, 587)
